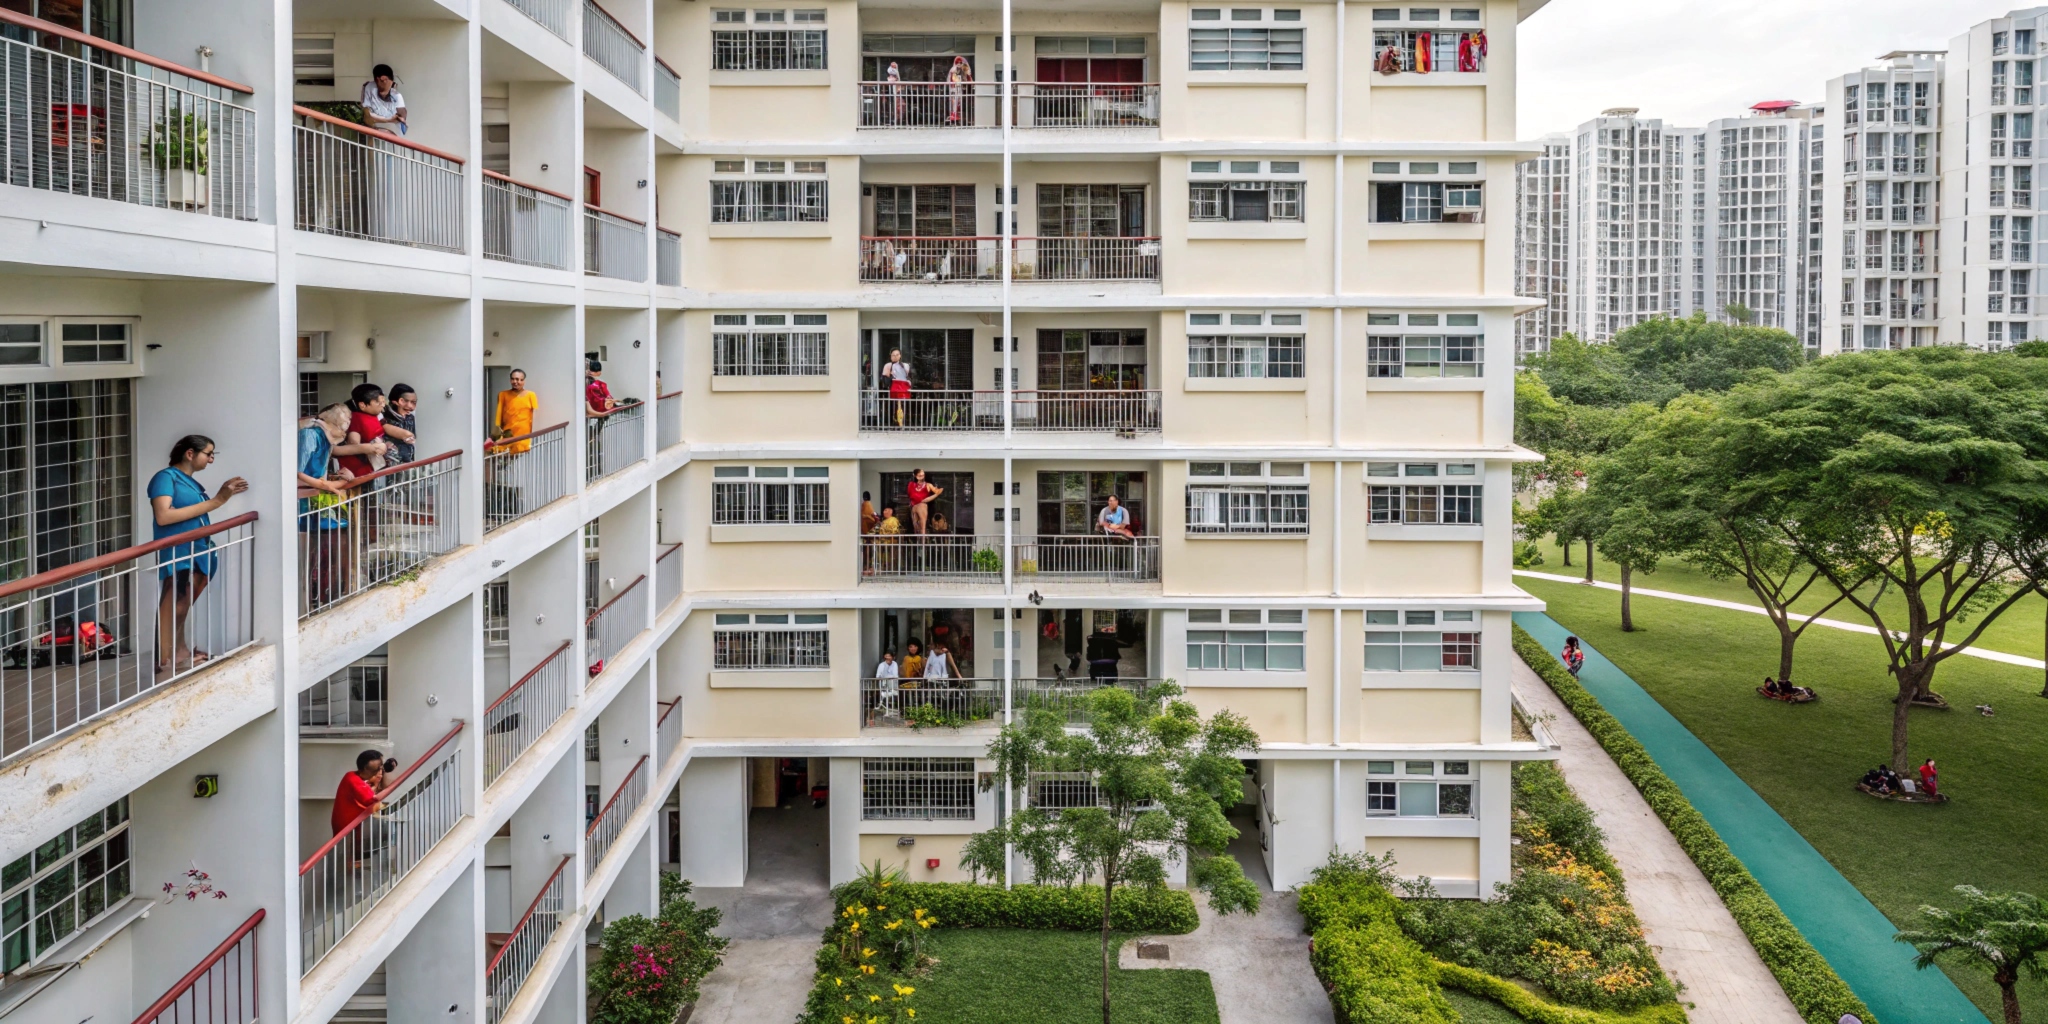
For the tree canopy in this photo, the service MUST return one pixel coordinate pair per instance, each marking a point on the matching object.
(1661, 358)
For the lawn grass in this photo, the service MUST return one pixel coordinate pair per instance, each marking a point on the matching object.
(1475, 1010)
(1004, 975)
(1702, 663)
(2018, 631)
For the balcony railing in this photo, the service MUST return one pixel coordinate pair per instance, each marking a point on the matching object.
(85, 639)
(610, 628)
(613, 48)
(524, 473)
(1089, 559)
(614, 441)
(507, 972)
(958, 557)
(668, 419)
(610, 822)
(344, 880)
(980, 105)
(526, 223)
(668, 257)
(977, 260)
(668, 90)
(359, 183)
(553, 15)
(1104, 411)
(1069, 697)
(668, 729)
(392, 522)
(668, 577)
(896, 703)
(614, 246)
(115, 123)
(222, 989)
(351, 702)
(525, 710)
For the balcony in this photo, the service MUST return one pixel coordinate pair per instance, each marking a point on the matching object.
(614, 49)
(614, 625)
(525, 710)
(355, 182)
(220, 990)
(509, 967)
(83, 640)
(668, 577)
(524, 473)
(978, 559)
(610, 823)
(552, 15)
(1106, 411)
(1068, 696)
(614, 246)
(668, 729)
(668, 419)
(614, 441)
(390, 523)
(115, 123)
(668, 90)
(919, 703)
(896, 105)
(977, 260)
(526, 224)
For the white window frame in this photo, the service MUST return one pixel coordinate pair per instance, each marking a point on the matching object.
(1432, 191)
(1424, 495)
(1398, 788)
(1249, 36)
(1226, 639)
(1245, 498)
(1211, 182)
(770, 191)
(926, 789)
(1414, 640)
(770, 641)
(769, 344)
(1247, 344)
(740, 495)
(39, 869)
(55, 345)
(1438, 345)
(42, 345)
(736, 46)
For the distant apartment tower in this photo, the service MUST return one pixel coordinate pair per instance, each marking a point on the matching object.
(1543, 195)
(1621, 224)
(1881, 221)
(1751, 234)
(1990, 272)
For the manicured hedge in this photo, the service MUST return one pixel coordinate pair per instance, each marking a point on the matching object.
(1538, 1011)
(1815, 989)
(1076, 908)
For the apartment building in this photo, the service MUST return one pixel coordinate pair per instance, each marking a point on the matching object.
(1880, 260)
(1194, 259)
(1543, 243)
(1988, 273)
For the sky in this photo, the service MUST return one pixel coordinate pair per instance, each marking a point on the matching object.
(1691, 62)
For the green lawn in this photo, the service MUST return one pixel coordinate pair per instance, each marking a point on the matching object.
(1003, 975)
(1702, 664)
(2018, 631)
(1475, 1010)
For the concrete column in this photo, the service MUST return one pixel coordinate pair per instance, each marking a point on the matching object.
(544, 608)
(845, 809)
(544, 828)
(713, 798)
(543, 115)
(626, 549)
(626, 729)
(436, 975)
(436, 679)
(637, 889)
(1496, 796)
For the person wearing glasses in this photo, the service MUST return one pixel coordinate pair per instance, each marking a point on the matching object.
(178, 505)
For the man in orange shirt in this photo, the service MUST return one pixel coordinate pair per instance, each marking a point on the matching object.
(358, 790)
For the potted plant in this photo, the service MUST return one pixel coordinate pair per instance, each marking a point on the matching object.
(180, 148)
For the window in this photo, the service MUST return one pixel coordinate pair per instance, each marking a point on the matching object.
(1417, 789)
(1211, 199)
(1417, 500)
(917, 788)
(757, 199)
(313, 60)
(1057, 791)
(770, 641)
(775, 495)
(1421, 350)
(1247, 498)
(1429, 202)
(1214, 354)
(1421, 641)
(924, 211)
(84, 344)
(768, 345)
(766, 45)
(64, 885)
(21, 344)
(1247, 45)
(1246, 639)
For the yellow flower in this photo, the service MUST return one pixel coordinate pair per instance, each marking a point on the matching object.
(836, 982)
(910, 1011)
(867, 952)
(879, 906)
(874, 998)
(854, 927)
(926, 923)
(867, 969)
(891, 926)
(902, 990)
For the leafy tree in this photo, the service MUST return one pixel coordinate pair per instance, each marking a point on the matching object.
(1634, 541)
(2035, 349)
(651, 967)
(1661, 358)
(2004, 934)
(1586, 374)
(1161, 778)
(1738, 313)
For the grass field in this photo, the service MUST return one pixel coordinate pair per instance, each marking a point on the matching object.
(1474, 1010)
(1702, 664)
(2018, 631)
(1003, 975)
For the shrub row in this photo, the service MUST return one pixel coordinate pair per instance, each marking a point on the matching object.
(1537, 1011)
(1075, 908)
(1815, 989)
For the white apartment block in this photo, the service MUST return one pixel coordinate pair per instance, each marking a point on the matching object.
(1543, 196)
(1195, 258)
(1989, 274)
(1882, 216)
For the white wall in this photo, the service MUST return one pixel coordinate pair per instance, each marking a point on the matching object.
(714, 805)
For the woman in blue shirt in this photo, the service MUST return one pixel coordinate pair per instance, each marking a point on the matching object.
(180, 505)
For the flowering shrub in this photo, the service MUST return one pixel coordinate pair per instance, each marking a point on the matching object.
(651, 967)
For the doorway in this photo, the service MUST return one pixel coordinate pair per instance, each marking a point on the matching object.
(941, 359)
(927, 627)
(1095, 642)
(951, 512)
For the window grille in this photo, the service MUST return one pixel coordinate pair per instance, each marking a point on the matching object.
(1244, 47)
(768, 201)
(1057, 791)
(1447, 641)
(353, 699)
(64, 885)
(917, 789)
(1247, 497)
(1423, 504)
(1244, 640)
(770, 641)
(1244, 200)
(771, 495)
(498, 612)
(1416, 789)
(771, 348)
(1212, 354)
(65, 475)
(760, 48)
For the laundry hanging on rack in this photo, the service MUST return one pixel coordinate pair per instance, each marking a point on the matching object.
(1471, 50)
(1389, 61)
(1422, 54)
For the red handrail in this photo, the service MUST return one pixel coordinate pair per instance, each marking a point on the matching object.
(594, 208)
(616, 794)
(98, 562)
(118, 50)
(672, 550)
(530, 908)
(599, 8)
(527, 436)
(668, 231)
(671, 394)
(663, 717)
(663, 63)
(514, 688)
(307, 492)
(220, 952)
(509, 180)
(425, 758)
(374, 133)
(623, 591)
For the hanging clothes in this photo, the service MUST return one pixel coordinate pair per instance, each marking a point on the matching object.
(1422, 54)
(1389, 61)
(1468, 53)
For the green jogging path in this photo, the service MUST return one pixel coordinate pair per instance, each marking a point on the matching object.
(1852, 934)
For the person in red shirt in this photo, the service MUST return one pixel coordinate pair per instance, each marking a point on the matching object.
(595, 392)
(358, 790)
(1929, 776)
(365, 429)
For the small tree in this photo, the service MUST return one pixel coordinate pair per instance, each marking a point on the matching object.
(1161, 778)
(650, 967)
(2004, 934)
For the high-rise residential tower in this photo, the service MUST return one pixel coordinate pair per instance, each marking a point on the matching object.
(1881, 202)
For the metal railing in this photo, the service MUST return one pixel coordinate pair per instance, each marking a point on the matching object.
(526, 223)
(668, 90)
(351, 702)
(507, 972)
(525, 710)
(613, 48)
(1090, 558)
(80, 641)
(668, 729)
(614, 625)
(115, 123)
(668, 577)
(391, 522)
(344, 880)
(524, 473)
(1037, 105)
(959, 557)
(360, 183)
(977, 259)
(614, 246)
(614, 441)
(668, 257)
(552, 15)
(933, 410)
(1121, 412)
(1069, 696)
(610, 822)
(668, 419)
(896, 703)
(221, 989)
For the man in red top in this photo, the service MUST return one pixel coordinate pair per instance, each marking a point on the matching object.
(358, 790)
(595, 392)
(365, 427)
(1929, 779)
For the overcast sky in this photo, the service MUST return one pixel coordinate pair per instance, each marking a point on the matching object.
(1691, 62)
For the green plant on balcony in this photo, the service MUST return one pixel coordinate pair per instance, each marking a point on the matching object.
(180, 143)
(930, 716)
(987, 560)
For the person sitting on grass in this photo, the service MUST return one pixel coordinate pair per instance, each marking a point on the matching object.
(1875, 781)
(1771, 687)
